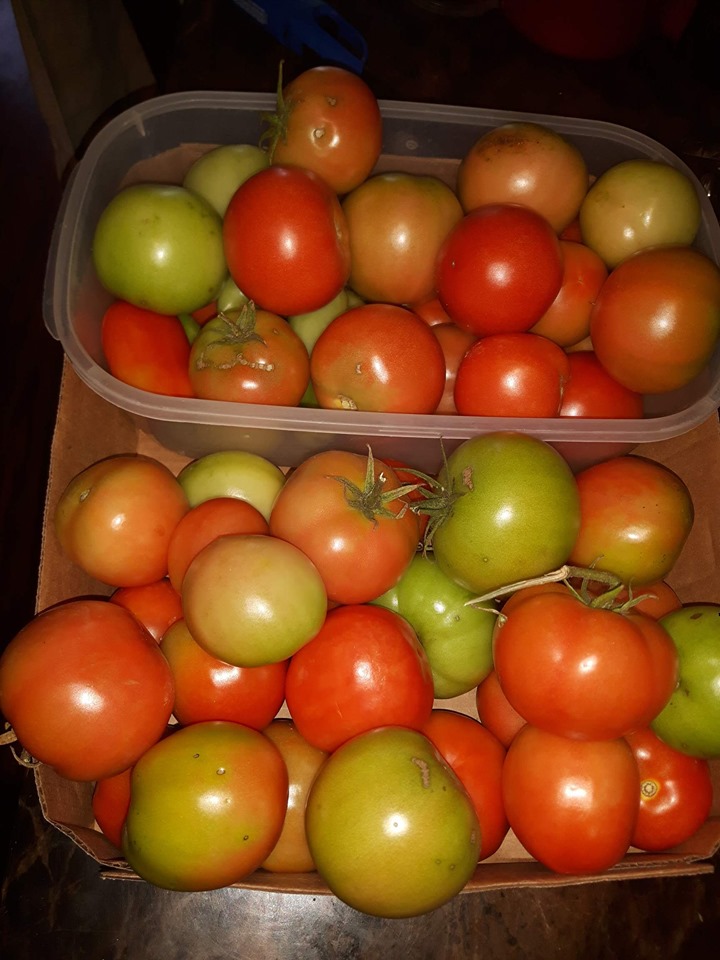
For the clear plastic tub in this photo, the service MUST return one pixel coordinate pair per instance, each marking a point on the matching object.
(145, 142)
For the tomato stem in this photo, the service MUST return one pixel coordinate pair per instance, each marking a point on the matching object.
(278, 121)
(566, 572)
(372, 499)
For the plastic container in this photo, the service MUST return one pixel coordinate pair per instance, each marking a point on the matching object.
(151, 140)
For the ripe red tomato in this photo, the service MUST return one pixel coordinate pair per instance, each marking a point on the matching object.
(202, 524)
(156, 605)
(656, 320)
(511, 375)
(115, 519)
(110, 803)
(676, 793)
(455, 343)
(567, 319)
(379, 357)
(495, 710)
(499, 269)
(635, 516)
(249, 356)
(146, 350)
(85, 688)
(431, 311)
(342, 511)
(525, 163)
(210, 689)
(328, 120)
(286, 240)
(365, 668)
(590, 391)
(477, 757)
(571, 803)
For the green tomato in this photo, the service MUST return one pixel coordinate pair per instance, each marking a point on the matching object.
(159, 246)
(230, 296)
(517, 512)
(690, 721)
(309, 326)
(391, 829)
(217, 174)
(638, 204)
(456, 638)
(232, 473)
(207, 806)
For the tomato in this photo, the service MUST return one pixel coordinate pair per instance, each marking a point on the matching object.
(656, 320)
(346, 512)
(526, 163)
(232, 473)
(286, 240)
(252, 599)
(635, 517)
(400, 842)
(499, 269)
(571, 803)
(146, 350)
(495, 710)
(365, 668)
(457, 638)
(637, 204)
(514, 511)
(378, 357)
(159, 246)
(567, 319)
(477, 757)
(455, 343)
(291, 853)
(397, 223)
(576, 670)
(85, 688)
(115, 518)
(202, 524)
(217, 174)
(210, 689)
(431, 311)
(156, 605)
(676, 793)
(511, 375)
(590, 391)
(110, 803)
(207, 806)
(327, 120)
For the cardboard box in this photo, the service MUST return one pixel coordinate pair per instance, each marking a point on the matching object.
(88, 428)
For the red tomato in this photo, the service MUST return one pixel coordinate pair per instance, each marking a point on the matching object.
(431, 311)
(249, 356)
(477, 757)
(676, 793)
(397, 223)
(635, 516)
(656, 320)
(495, 710)
(202, 524)
(571, 803)
(205, 313)
(567, 319)
(511, 375)
(156, 605)
(286, 240)
(210, 689)
(664, 673)
(590, 391)
(365, 668)
(455, 343)
(328, 120)
(85, 688)
(115, 519)
(341, 509)
(525, 163)
(378, 357)
(110, 803)
(499, 269)
(146, 350)
(575, 670)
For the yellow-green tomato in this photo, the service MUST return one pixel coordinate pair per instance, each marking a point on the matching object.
(159, 246)
(456, 638)
(232, 473)
(207, 806)
(309, 326)
(217, 174)
(638, 204)
(390, 827)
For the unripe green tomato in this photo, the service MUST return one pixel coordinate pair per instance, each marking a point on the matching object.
(232, 473)
(217, 174)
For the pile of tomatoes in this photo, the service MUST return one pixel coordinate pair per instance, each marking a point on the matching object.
(363, 596)
(292, 272)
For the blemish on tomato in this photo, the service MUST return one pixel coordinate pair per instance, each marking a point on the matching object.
(424, 770)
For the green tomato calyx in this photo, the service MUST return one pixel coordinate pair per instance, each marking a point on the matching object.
(372, 499)
(237, 327)
(277, 122)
